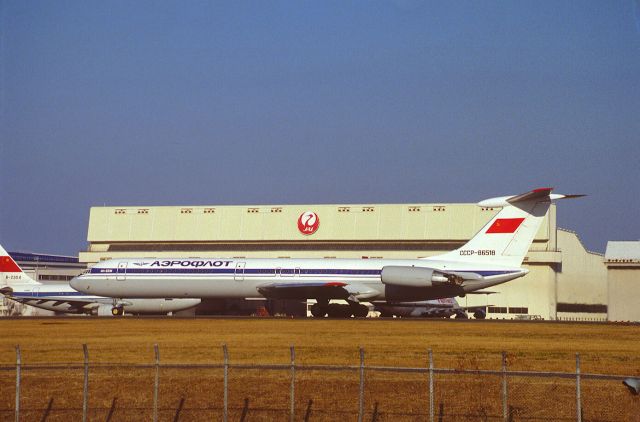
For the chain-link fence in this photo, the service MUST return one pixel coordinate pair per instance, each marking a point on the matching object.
(231, 391)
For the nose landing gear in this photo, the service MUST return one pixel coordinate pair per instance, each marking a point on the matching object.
(117, 308)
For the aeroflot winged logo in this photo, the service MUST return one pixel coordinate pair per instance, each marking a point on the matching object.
(308, 222)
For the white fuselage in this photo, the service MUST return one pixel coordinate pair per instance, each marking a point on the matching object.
(241, 278)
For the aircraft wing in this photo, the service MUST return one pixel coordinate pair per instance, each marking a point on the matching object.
(80, 306)
(316, 290)
(73, 305)
(91, 304)
(55, 303)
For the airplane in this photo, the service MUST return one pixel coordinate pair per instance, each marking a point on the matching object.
(19, 287)
(437, 308)
(493, 256)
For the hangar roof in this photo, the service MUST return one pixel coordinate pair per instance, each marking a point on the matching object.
(623, 251)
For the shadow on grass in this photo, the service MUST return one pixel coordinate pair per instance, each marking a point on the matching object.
(47, 411)
(245, 410)
(307, 413)
(112, 409)
(176, 418)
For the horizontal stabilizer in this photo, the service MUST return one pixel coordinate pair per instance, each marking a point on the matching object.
(482, 292)
(540, 193)
(558, 196)
(535, 195)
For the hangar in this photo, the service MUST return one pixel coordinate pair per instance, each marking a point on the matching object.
(565, 281)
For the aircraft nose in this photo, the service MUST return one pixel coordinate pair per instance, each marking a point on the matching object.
(78, 284)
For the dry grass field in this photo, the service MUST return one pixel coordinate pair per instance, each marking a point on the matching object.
(125, 393)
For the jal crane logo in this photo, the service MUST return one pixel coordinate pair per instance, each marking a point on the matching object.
(308, 222)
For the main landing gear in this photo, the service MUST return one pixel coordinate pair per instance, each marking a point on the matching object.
(117, 310)
(335, 310)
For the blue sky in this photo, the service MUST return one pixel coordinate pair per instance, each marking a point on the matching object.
(282, 102)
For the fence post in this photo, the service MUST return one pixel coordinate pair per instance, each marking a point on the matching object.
(18, 367)
(578, 392)
(505, 398)
(361, 396)
(85, 389)
(156, 383)
(431, 398)
(225, 396)
(293, 384)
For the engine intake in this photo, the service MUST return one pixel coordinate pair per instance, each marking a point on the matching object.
(412, 276)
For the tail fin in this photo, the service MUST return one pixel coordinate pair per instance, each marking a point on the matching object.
(10, 272)
(505, 240)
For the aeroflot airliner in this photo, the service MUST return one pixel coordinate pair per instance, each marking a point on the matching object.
(493, 256)
(19, 287)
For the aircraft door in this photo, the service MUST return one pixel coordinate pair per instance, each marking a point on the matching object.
(122, 271)
(239, 273)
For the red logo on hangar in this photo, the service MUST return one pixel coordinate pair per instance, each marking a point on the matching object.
(308, 222)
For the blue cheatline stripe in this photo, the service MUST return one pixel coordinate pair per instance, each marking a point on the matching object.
(266, 271)
(256, 271)
(299, 284)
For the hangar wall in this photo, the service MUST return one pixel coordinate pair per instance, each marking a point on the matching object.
(581, 281)
(271, 230)
(565, 280)
(624, 293)
(622, 260)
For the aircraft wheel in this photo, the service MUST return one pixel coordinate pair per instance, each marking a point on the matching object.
(333, 310)
(336, 310)
(117, 311)
(361, 311)
(461, 315)
(318, 311)
(480, 314)
(346, 311)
